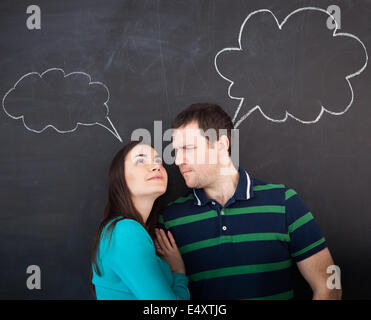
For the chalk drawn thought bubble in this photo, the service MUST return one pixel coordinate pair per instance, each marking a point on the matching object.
(297, 68)
(59, 101)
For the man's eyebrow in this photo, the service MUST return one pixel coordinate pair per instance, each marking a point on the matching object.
(183, 146)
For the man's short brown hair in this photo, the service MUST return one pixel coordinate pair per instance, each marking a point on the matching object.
(208, 116)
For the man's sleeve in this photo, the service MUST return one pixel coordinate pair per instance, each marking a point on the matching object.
(306, 238)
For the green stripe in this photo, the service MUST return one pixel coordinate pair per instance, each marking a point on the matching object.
(213, 213)
(289, 193)
(280, 296)
(299, 222)
(311, 246)
(234, 239)
(182, 199)
(238, 270)
(191, 218)
(161, 219)
(257, 209)
(268, 186)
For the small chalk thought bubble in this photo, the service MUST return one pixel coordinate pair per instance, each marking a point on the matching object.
(54, 99)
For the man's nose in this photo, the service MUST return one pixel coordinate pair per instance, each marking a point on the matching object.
(179, 158)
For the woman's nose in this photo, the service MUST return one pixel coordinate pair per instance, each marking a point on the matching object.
(155, 167)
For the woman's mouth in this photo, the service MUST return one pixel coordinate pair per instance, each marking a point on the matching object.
(157, 177)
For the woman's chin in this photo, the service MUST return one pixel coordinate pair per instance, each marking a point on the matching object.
(157, 192)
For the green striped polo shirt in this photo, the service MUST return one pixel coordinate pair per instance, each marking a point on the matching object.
(246, 249)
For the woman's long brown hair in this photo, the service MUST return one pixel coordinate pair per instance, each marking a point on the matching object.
(120, 204)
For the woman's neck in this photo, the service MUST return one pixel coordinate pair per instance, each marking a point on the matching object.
(144, 206)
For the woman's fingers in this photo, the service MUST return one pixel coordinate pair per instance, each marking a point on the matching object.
(172, 240)
(165, 240)
(157, 246)
(161, 240)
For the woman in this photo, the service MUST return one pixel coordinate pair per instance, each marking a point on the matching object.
(124, 261)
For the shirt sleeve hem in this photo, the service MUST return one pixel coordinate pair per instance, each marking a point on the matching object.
(310, 252)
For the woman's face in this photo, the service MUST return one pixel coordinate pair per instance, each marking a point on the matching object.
(144, 173)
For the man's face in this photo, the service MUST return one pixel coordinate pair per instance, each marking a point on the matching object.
(195, 157)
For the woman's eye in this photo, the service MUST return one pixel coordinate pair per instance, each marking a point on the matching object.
(139, 161)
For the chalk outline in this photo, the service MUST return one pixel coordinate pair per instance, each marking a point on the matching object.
(323, 109)
(115, 133)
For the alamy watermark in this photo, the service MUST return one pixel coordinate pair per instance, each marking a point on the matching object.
(335, 20)
(188, 145)
(34, 280)
(33, 21)
(333, 281)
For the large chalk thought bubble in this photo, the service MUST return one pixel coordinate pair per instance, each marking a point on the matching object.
(298, 68)
(60, 101)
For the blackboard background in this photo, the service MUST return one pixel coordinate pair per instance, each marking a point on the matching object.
(156, 58)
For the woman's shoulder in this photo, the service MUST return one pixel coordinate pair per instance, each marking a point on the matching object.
(130, 228)
(129, 225)
(129, 241)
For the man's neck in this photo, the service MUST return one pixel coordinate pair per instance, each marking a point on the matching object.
(224, 187)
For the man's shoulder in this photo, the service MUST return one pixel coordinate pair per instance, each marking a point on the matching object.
(259, 184)
(272, 187)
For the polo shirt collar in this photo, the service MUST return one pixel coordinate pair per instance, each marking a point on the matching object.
(244, 190)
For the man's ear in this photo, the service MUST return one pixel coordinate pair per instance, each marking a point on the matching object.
(223, 143)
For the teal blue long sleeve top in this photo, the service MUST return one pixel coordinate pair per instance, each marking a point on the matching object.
(131, 270)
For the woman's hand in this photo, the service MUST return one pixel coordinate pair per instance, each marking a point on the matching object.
(169, 251)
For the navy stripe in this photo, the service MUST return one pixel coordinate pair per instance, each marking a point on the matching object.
(259, 252)
(211, 228)
(243, 286)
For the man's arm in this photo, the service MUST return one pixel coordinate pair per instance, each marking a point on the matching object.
(308, 247)
(313, 269)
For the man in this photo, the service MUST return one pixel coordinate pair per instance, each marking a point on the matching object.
(239, 236)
